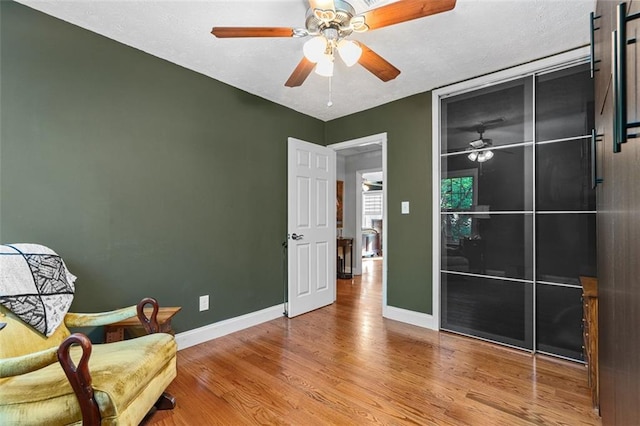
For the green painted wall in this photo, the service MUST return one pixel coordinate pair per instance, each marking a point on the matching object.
(408, 126)
(149, 179)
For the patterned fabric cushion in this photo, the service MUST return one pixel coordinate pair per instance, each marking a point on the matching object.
(35, 285)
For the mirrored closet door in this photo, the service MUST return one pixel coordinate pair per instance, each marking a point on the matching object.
(517, 210)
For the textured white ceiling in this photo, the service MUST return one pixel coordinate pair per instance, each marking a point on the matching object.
(477, 37)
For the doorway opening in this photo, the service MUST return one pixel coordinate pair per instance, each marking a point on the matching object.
(356, 158)
(371, 213)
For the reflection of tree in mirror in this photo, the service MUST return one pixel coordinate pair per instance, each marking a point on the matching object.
(456, 194)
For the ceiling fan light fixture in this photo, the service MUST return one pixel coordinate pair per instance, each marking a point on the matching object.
(473, 156)
(349, 51)
(485, 156)
(325, 15)
(315, 48)
(358, 24)
(324, 67)
(477, 143)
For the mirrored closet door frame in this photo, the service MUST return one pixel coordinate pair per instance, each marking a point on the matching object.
(527, 276)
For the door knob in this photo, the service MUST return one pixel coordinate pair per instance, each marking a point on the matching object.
(296, 237)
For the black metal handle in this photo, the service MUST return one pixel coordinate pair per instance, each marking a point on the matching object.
(296, 237)
(592, 56)
(619, 63)
(621, 74)
(595, 180)
(633, 124)
(616, 83)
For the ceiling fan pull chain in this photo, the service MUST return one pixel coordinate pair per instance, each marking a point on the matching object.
(330, 103)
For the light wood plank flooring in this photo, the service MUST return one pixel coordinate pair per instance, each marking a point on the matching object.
(345, 365)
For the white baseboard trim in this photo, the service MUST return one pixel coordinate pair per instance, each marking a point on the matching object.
(410, 317)
(222, 328)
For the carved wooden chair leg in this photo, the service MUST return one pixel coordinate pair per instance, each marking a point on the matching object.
(165, 402)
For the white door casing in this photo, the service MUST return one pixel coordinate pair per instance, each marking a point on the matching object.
(311, 226)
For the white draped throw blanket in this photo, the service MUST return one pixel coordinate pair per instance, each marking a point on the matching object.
(35, 285)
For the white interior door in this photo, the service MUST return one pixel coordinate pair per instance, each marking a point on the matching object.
(311, 226)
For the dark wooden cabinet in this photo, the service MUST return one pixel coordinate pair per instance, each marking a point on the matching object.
(345, 258)
(590, 335)
(618, 226)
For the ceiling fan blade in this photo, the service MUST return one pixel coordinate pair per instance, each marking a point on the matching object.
(377, 65)
(403, 11)
(229, 32)
(300, 74)
(492, 123)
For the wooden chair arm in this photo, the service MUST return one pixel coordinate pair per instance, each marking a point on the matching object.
(18, 365)
(150, 324)
(98, 319)
(79, 377)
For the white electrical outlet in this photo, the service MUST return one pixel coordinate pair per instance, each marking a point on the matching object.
(204, 303)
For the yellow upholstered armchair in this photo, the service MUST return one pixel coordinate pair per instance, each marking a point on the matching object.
(59, 378)
(64, 379)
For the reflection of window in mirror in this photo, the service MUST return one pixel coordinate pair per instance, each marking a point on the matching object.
(459, 194)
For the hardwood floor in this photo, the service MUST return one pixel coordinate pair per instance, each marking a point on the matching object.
(345, 364)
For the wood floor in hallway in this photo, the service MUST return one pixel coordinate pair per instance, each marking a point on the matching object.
(346, 365)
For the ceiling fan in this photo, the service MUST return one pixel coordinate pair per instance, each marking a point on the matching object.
(479, 148)
(369, 185)
(330, 23)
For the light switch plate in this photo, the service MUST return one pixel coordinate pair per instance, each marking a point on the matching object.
(405, 207)
(204, 303)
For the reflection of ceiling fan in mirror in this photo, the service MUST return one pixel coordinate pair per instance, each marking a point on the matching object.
(479, 148)
(330, 23)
